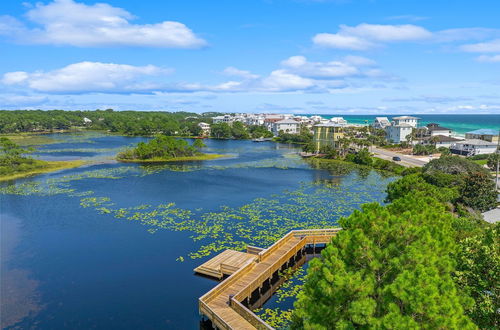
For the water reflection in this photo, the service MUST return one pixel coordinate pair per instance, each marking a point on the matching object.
(19, 296)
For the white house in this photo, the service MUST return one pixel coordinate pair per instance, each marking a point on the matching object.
(440, 141)
(289, 126)
(473, 147)
(381, 122)
(338, 121)
(435, 130)
(87, 120)
(398, 133)
(405, 120)
(228, 119)
(205, 128)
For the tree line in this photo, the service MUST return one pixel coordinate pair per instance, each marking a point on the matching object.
(162, 147)
(134, 123)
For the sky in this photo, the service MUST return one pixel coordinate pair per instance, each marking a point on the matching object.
(275, 56)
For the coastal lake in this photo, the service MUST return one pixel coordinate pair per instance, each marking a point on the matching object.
(113, 246)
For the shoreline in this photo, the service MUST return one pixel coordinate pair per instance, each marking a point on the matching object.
(170, 160)
(52, 166)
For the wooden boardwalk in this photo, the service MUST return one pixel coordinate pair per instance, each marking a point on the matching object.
(227, 305)
(225, 263)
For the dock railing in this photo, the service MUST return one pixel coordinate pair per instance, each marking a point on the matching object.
(305, 237)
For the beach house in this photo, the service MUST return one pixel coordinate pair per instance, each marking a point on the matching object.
(472, 147)
(327, 134)
(288, 126)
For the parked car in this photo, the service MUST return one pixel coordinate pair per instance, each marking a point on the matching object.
(396, 159)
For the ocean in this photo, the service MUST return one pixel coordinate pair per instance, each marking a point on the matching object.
(459, 124)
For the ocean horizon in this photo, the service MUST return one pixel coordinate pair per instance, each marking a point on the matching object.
(459, 124)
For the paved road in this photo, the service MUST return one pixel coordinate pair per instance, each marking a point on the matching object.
(405, 159)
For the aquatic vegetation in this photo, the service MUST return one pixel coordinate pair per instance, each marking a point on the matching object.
(276, 317)
(280, 314)
(260, 222)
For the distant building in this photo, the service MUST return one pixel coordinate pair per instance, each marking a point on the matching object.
(327, 134)
(485, 134)
(473, 147)
(398, 133)
(440, 141)
(205, 128)
(381, 122)
(338, 120)
(434, 130)
(288, 126)
(87, 121)
(400, 128)
(405, 120)
(228, 119)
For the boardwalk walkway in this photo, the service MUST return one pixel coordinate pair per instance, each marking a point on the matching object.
(227, 305)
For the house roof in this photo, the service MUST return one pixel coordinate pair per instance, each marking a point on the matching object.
(381, 119)
(484, 131)
(287, 121)
(329, 124)
(405, 117)
(477, 142)
(438, 128)
(442, 138)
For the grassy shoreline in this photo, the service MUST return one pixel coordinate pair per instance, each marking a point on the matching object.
(50, 166)
(176, 159)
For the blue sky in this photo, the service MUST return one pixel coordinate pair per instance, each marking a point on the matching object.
(293, 56)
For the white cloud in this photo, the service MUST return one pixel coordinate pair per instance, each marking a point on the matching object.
(341, 41)
(489, 59)
(66, 22)
(359, 60)
(461, 34)
(320, 70)
(89, 77)
(12, 78)
(365, 36)
(294, 74)
(232, 71)
(492, 46)
(281, 80)
(22, 100)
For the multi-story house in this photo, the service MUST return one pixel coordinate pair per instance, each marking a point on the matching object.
(327, 134)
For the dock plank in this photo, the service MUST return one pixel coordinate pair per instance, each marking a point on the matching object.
(252, 270)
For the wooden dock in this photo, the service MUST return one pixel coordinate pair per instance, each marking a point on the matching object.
(225, 263)
(228, 305)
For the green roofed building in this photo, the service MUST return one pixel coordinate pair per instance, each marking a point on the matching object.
(327, 134)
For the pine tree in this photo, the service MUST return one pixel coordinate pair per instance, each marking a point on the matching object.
(390, 267)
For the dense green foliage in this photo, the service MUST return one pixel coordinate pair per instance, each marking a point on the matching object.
(452, 165)
(479, 192)
(304, 137)
(426, 260)
(420, 149)
(257, 131)
(478, 270)
(198, 144)
(144, 123)
(13, 158)
(362, 157)
(238, 131)
(161, 147)
(493, 160)
(390, 267)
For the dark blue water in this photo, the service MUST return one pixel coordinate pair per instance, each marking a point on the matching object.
(69, 265)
